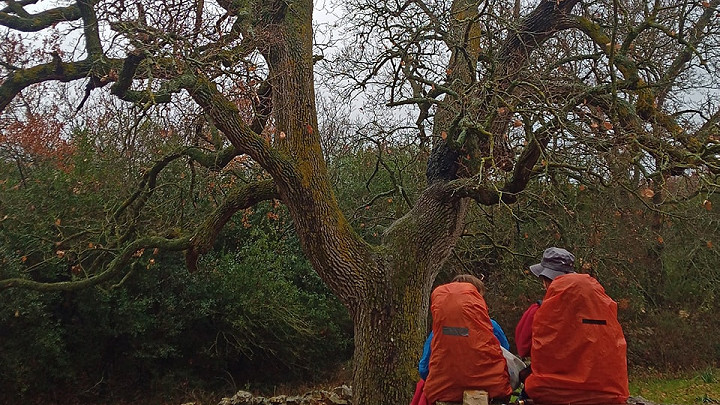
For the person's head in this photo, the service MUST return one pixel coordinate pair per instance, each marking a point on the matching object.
(555, 262)
(469, 278)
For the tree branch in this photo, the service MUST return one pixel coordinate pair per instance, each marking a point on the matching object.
(115, 268)
(55, 70)
(237, 199)
(213, 161)
(226, 117)
(90, 28)
(35, 22)
(549, 17)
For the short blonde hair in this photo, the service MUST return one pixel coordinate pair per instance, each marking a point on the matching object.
(469, 278)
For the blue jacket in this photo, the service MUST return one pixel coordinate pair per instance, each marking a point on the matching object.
(424, 365)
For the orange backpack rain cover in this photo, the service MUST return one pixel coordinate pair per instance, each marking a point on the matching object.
(578, 348)
(464, 352)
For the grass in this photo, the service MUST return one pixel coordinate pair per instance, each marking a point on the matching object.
(700, 387)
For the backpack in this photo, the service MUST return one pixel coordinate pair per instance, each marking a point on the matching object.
(579, 353)
(465, 353)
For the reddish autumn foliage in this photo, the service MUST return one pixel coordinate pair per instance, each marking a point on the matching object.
(38, 137)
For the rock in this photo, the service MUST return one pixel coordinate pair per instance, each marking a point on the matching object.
(639, 401)
(337, 396)
(294, 400)
(344, 391)
(335, 399)
(240, 398)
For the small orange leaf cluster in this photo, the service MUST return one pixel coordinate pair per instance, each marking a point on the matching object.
(246, 218)
(40, 136)
(623, 303)
(647, 193)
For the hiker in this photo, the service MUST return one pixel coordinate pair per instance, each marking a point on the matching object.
(497, 330)
(555, 262)
(578, 349)
(465, 354)
(514, 364)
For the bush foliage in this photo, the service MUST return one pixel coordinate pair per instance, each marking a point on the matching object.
(258, 314)
(255, 313)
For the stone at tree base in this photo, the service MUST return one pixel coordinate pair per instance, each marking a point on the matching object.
(338, 396)
(344, 391)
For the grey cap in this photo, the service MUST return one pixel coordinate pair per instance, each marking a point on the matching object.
(555, 262)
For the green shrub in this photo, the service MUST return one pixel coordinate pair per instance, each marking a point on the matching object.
(244, 319)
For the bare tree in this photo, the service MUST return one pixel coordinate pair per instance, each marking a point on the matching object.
(565, 87)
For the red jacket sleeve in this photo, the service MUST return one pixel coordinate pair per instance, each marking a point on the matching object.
(523, 331)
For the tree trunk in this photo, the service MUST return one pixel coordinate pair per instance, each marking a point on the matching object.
(390, 320)
(386, 289)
